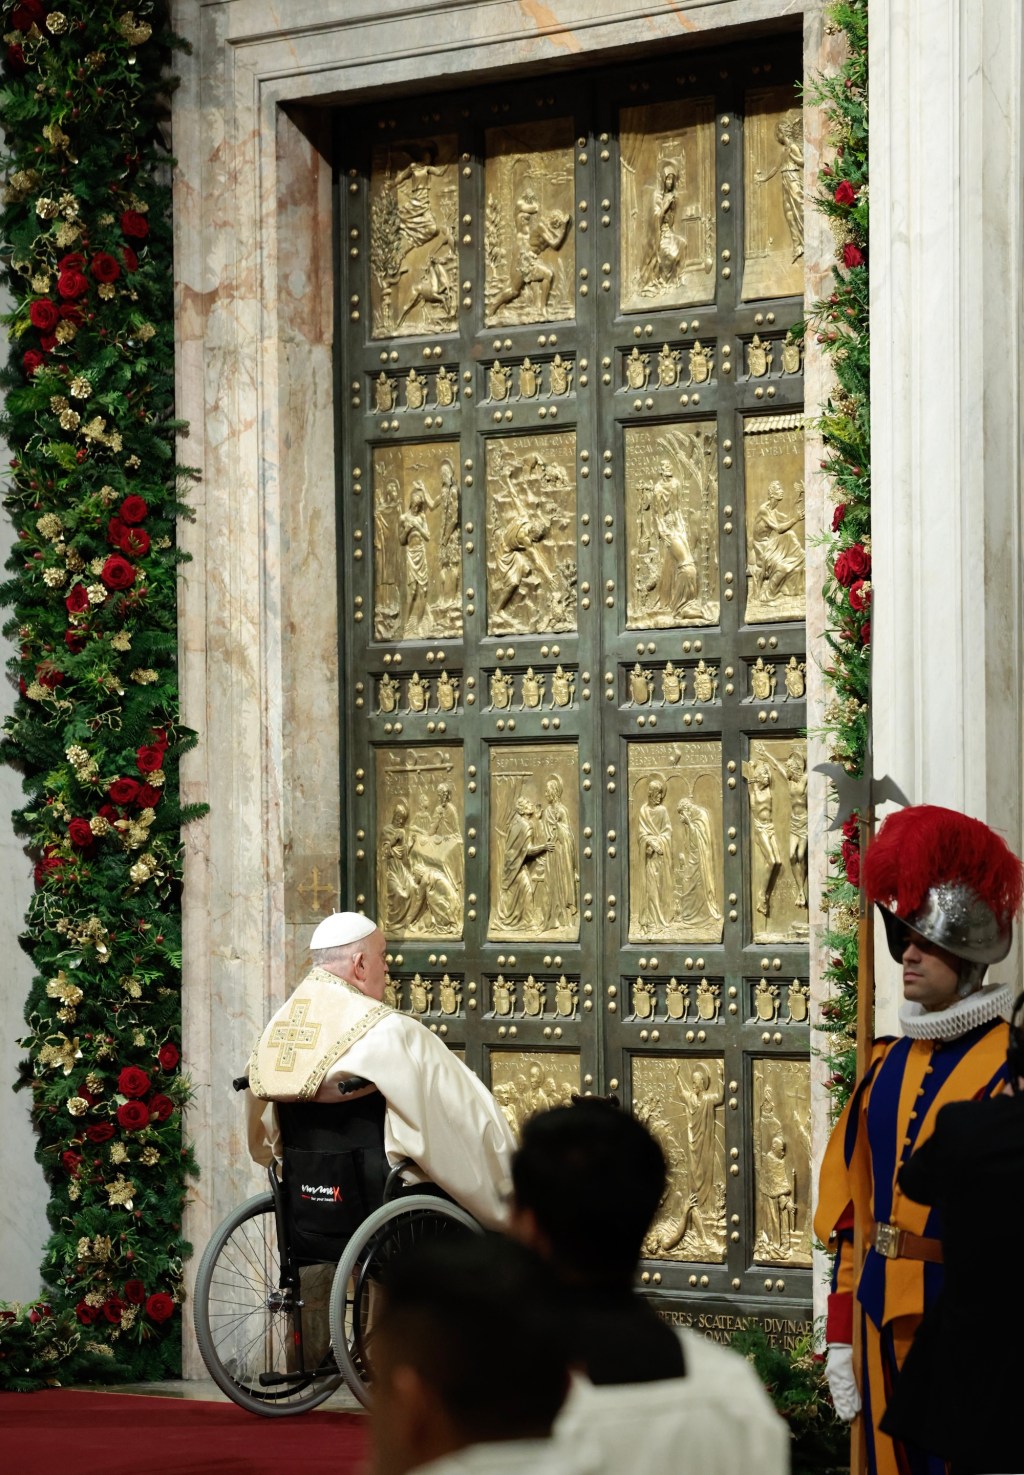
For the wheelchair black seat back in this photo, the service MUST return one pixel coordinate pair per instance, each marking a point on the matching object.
(334, 1172)
(285, 1292)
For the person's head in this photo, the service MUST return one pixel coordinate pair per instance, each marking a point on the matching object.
(354, 948)
(701, 1079)
(524, 806)
(468, 1350)
(655, 790)
(948, 888)
(775, 492)
(444, 791)
(553, 789)
(587, 1180)
(795, 765)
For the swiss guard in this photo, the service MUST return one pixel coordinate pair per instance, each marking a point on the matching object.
(948, 889)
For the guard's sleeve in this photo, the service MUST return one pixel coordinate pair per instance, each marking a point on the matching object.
(438, 1114)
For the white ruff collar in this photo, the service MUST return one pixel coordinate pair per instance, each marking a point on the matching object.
(986, 1004)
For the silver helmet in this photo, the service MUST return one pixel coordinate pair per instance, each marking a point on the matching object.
(954, 917)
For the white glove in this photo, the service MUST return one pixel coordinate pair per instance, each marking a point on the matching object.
(842, 1383)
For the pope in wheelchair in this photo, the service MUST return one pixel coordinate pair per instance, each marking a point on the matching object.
(375, 1137)
(436, 1114)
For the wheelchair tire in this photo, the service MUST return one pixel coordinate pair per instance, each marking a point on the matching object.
(247, 1327)
(388, 1232)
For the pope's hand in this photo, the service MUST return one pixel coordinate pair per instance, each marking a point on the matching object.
(842, 1383)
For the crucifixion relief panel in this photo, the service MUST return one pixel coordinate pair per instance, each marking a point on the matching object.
(572, 593)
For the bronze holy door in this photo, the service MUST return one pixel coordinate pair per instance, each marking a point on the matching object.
(572, 591)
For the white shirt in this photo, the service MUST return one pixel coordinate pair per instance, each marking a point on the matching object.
(717, 1420)
(510, 1457)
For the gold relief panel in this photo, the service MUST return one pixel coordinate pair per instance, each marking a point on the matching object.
(534, 858)
(524, 1083)
(417, 545)
(776, 780)
(667, 226)
(531, 536)
(773, 463)
(420, 826)
(414, 234)
(681, 1101)
(773, 162)
(781, 1141)
(529, 249)
(672, 523)
(675, 842)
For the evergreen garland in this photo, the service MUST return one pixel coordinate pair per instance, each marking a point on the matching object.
(841, 325)
(94, 494)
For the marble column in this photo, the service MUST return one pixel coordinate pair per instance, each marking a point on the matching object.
(947, 277)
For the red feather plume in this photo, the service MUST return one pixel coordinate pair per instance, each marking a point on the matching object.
(926, 846)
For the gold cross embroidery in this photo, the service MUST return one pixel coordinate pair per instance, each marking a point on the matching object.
(294, 1033)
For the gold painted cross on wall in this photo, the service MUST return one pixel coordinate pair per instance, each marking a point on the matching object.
(294, 1034)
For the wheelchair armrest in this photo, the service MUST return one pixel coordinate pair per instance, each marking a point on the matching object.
(353, 1084)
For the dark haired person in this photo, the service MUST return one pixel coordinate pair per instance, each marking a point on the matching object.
(958, 1392)
(470, 1364)
(948, 889)
(587, 1181)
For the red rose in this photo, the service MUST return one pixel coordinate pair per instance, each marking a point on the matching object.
(46, 867)
(77, 601)
(71, 285)
(852, 255)
(837, 517)
(135, 226)
(74, 640)
(852, 564)
(131, 261)
(43, 315)
(49, 676)
(16, 59)
(160, 1108)
(851, 864)
(71, 314)
(860, 596)
(112, 1310)
(104, 268)
(71, 1160)
(168, 1056)
(132, 1081)
(117, 572)
(101, 1132)
(133, 1115)
(134, 1292)
(123, 790)
(86, 1314)
(865, 633)
(149, 759)
(844, 193)
(31, 360)
(160, 1307)
(80, 834)
(148, 797)
(133, 509)
(73, 261)
(135, 542)
(116, 530)
(28, 14)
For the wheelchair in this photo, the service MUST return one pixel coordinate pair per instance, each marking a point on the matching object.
(283, 1311)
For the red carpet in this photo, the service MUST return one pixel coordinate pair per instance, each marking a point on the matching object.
(96, 1433)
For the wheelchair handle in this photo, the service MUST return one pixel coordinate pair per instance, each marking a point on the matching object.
(345, 1088)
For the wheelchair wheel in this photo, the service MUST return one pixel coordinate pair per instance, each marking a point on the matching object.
(266, 1348)
(387, 1234)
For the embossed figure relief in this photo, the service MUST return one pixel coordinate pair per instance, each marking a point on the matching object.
(781, 1121)
(773, 156)
(534, 859)
(420, 862)
(667, 227)
(675, 847)
(417, 551)
(531, 537)
(682, 1103)
(776, 779)
(774, 471)
(525, 1083)
(672, 525)
(414, 252)
(529, 254)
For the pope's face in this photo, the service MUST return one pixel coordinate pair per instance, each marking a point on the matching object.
(930, 973)
(371, 966)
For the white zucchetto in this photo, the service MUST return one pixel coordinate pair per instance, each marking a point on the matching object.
(341, 928)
